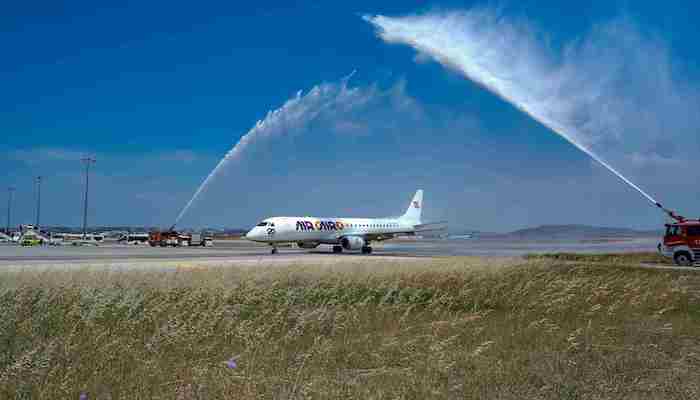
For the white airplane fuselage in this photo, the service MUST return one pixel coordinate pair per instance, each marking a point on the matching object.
(342, 233)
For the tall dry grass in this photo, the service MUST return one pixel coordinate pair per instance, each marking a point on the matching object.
(457, 328)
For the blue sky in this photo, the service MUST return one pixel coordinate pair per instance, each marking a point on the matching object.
(159, 92)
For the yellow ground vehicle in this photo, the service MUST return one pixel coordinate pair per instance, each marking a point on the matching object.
(30, 240)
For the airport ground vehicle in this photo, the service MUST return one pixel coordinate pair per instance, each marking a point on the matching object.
(59, 239)
(682, 242)
(163, 239)
(169, 238)
(200, 239)
(134, 238)
(176, 239)
(31, 239)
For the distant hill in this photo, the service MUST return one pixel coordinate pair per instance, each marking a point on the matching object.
(577, 232)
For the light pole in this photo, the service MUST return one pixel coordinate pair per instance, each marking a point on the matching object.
(87, 161)
(38, 204)
(10, 191)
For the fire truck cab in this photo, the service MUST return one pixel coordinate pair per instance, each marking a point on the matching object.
(682, 242)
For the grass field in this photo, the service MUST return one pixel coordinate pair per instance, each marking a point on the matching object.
(544, 327)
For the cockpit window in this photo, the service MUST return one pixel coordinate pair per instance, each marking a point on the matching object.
(262, 224)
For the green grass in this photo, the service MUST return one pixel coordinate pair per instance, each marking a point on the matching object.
(541, 328)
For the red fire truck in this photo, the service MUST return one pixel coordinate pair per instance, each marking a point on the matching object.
(174, 238)
(169, 238)
(682, 242)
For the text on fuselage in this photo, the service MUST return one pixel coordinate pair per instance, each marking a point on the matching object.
(320, 226)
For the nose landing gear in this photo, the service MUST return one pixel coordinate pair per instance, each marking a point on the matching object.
(274, 250)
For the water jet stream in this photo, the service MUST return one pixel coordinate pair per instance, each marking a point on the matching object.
(504, 59)
(294, 114)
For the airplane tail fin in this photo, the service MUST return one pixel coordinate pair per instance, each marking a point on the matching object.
(413, 213)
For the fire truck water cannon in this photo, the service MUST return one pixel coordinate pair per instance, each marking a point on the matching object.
(673, 215)
(681, 242)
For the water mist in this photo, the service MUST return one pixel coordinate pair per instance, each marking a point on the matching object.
(294, 114)
(506, 59)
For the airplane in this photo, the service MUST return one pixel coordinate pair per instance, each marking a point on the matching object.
(341, 233)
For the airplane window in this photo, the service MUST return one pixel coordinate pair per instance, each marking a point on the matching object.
(262, 224)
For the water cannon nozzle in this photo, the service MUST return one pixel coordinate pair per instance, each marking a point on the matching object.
(678, 218)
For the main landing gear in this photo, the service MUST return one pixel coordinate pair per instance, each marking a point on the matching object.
(339, 249)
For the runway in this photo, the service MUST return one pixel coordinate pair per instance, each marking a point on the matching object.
(244, 252)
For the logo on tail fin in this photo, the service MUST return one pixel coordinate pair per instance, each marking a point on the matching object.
(416, 204)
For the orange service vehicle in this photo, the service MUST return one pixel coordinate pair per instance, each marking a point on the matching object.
(168, 238)
(682, 242)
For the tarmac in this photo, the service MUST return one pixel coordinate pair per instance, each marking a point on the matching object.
(246, 253)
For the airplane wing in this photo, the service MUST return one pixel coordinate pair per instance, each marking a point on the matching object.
(435, 228)
(431, 227)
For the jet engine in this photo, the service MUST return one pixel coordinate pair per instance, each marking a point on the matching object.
(308, 245)
(353, 242)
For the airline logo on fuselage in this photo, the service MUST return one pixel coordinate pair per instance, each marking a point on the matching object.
(320, 226)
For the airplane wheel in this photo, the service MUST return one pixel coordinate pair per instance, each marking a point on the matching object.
(337, 249)
(274, 250)
(367, 250)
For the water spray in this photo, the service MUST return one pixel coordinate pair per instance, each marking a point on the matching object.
(295, 113)
(503, 59)
(615, 172)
